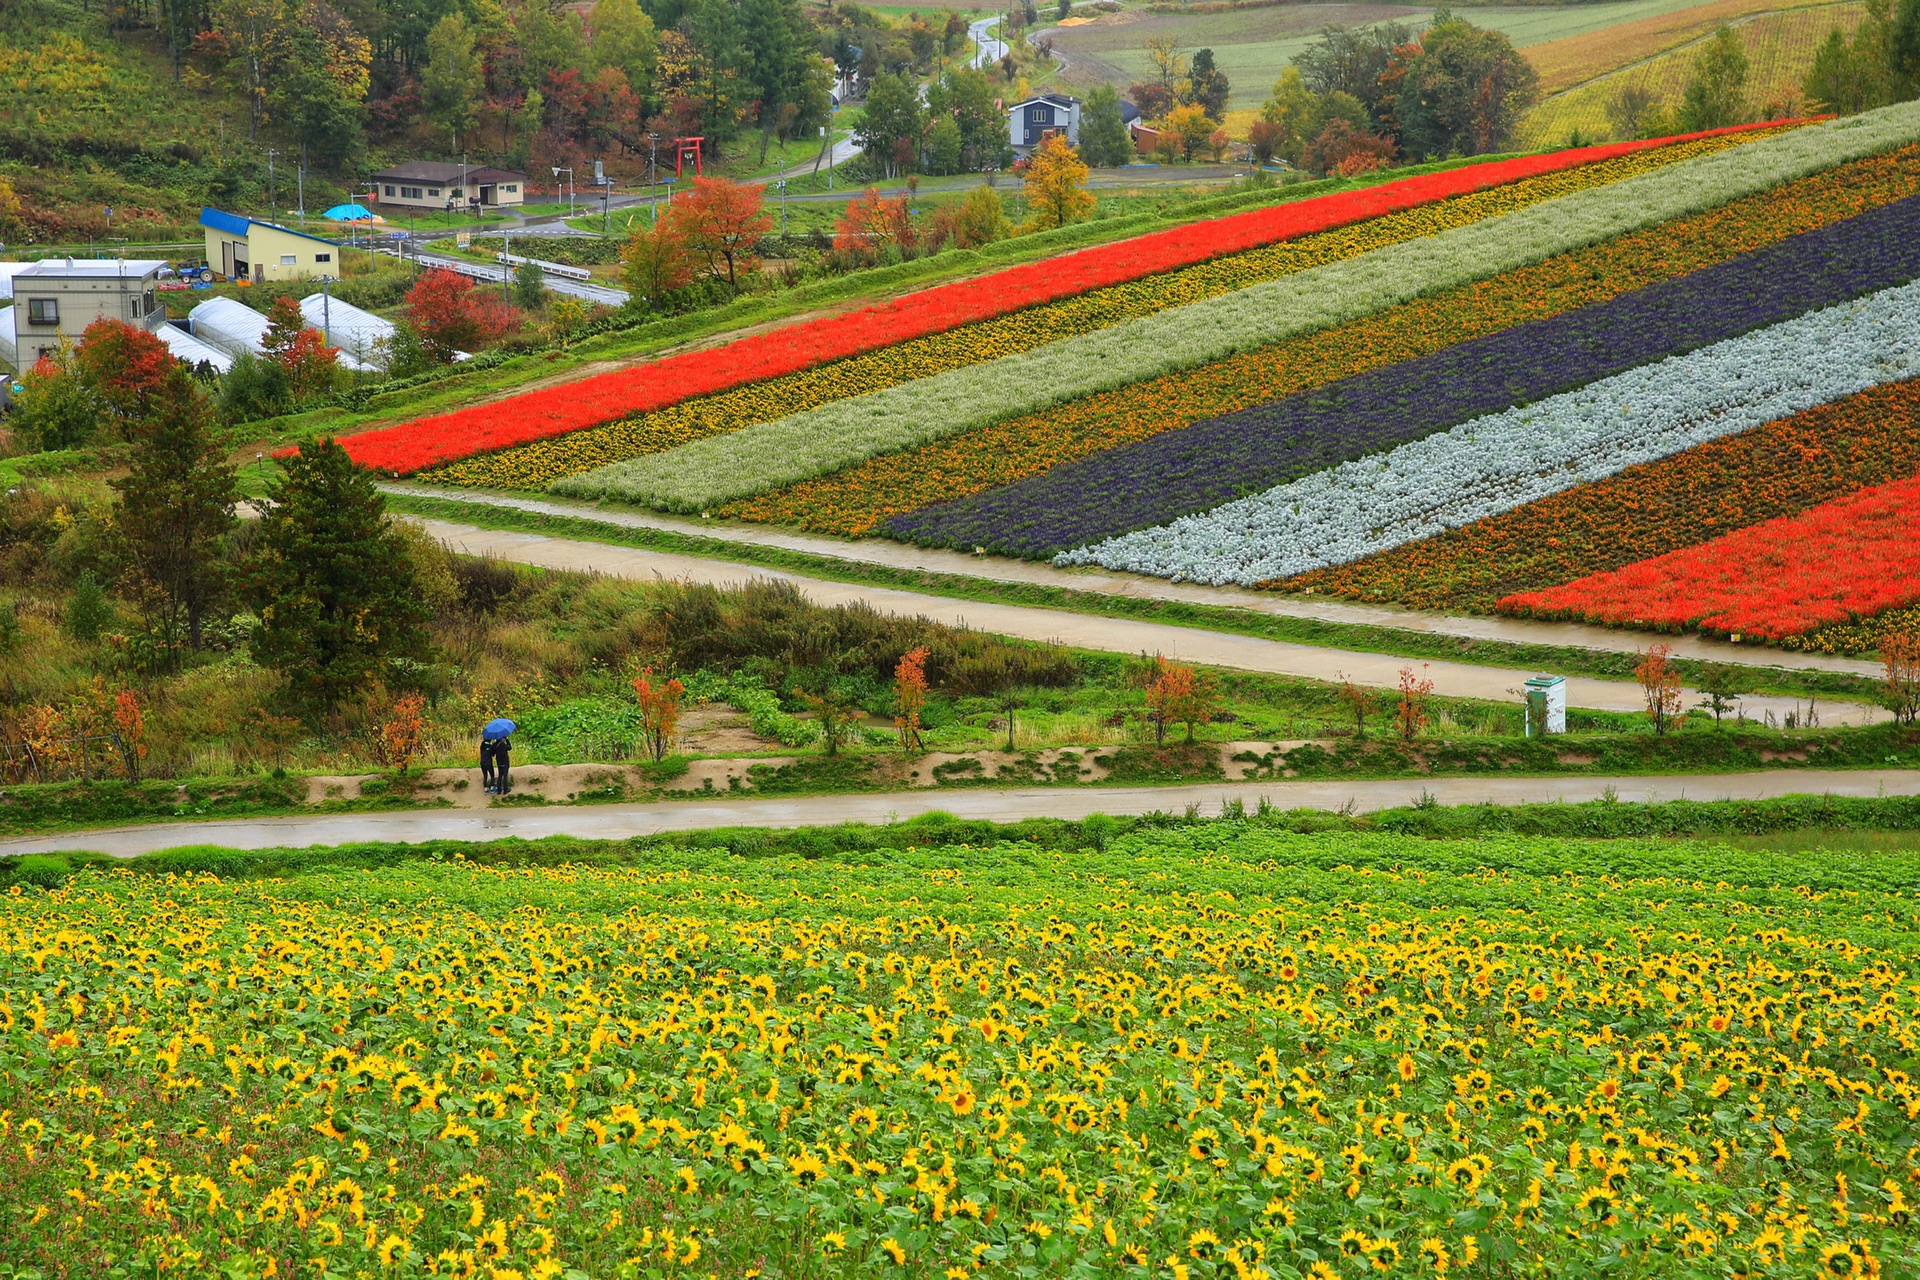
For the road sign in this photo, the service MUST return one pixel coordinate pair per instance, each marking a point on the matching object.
(463, 239)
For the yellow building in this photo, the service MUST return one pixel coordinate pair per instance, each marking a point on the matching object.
(243, 249)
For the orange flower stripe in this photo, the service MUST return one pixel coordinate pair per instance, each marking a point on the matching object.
(535, 465)
(854, 501)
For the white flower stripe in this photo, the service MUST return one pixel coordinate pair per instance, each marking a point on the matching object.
(1496, 463)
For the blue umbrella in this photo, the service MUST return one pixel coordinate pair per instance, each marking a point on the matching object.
(348, 213)
(498, 728)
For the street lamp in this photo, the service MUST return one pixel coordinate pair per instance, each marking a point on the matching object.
(782, 185)
(568, 170)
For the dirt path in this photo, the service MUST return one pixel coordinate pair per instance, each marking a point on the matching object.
(617, 822)
(1086, 631)
(896, 555)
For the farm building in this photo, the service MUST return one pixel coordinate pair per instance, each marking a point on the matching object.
(429, 184)
(247, 249)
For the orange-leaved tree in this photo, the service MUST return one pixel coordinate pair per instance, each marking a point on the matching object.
(659, 711)
(1660, 684)
(870, 224)
(656, 262)
(910, 697)
(131, 725)
(398, 741)
(1900, 651)
(1177, 694)
(1410, 716)
(122, 364)
(451, 315)
(722, 222)
(1056, 183)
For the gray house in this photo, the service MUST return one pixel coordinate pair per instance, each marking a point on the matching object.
(1030, 121)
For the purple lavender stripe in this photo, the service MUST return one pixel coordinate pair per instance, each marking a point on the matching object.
(1216, 461)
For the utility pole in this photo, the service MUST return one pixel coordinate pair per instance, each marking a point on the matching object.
(506, 267)
(782, 184)
(303, 184)
(653, 178)
(273, 201)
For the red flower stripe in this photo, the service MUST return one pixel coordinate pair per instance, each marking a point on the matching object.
(1850, 558)
(572, 406)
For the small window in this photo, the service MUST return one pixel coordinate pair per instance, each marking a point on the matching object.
(433, 191)
(513, 186)
(43, 311)
(323, 257)
(389, 190)
(288, 259)
(410, 193)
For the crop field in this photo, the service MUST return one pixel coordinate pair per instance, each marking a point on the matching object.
(1206, 1052)
(1253, 46)
(1457, 391)
(1780, 46)
(1576, 59)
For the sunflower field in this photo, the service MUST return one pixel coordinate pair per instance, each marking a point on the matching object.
(1208, 1051)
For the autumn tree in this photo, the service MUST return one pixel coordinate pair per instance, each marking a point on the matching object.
(176, 504)
(1056, 184)
(659, 711)
(130, 722)
(870, 225)
(302, 354)
(1660, 685)
(1356, 700)
(398, 739)
(123, 365)
(450, 315)
(656, 262)
(1410, 713)
(910, 698)
(722, 221)
(1900, 653)
(1177, 694)
(978, 218)
(1344, 150)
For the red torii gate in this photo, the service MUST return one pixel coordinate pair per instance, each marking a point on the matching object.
(683, 148)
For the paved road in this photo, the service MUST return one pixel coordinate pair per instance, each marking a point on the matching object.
(986, 49)
(879, 551)
(1088, 631)
(619, 822)
(496, 273)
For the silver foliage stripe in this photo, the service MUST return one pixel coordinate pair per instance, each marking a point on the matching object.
(820, 441)
(1499, 462)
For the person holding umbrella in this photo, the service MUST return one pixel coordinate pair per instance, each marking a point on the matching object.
(496, 748)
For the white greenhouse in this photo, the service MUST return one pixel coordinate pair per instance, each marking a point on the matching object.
(360, 335)
(231, 326)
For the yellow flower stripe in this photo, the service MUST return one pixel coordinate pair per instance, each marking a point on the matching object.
(535, 465)
(853, 501)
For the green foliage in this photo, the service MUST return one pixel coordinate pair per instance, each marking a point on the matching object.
(1716, 96)
(254, 388)
(89, 610)
(332, 582)
(529, 289)
(57, 410)
(1464, 91)
(762, 707)
(176, 504)
(1104, 140)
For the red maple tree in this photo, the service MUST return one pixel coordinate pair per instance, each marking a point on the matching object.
(451, 315)
(124, 365)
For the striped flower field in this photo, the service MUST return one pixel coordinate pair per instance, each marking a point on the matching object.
(1440, 392)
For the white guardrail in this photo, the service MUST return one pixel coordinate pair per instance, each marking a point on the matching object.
(551, 268)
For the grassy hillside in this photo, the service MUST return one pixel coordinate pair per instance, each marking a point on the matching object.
(1779, 45)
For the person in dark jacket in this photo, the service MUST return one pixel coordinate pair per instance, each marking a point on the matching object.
(486, 762)
(502, 759)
